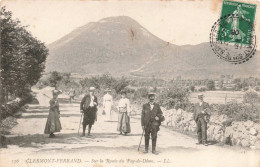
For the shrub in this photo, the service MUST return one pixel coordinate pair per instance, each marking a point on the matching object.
(140, 93)
(192, 88)
(251, 97)
(177, 97)
(211, 85)
(121, 85)
(237, 111)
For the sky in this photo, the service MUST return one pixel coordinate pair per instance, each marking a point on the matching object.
(178, 22)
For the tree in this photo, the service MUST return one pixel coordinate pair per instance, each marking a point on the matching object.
(54, 78)
(211, 85)
(22, 57)
(121, 85)
(192, 88)
(220, 83)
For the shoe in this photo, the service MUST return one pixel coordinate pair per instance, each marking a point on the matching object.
(205, 144)
(82, 135)
(198, 143)
(155, 152)
(145, 152)
(51, 135)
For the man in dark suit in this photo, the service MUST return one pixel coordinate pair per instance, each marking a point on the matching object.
(201, 116)
(151, 119)
(88, 106)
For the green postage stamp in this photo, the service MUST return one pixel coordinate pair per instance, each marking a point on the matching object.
(238, 23)
(232, 36)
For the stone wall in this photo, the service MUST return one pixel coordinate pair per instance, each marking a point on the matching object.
(245, 134)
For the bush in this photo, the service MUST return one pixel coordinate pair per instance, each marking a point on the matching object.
(140, 93)
(237, 111)
(192, 88)
(175, 97)
(202, 89)
(121, 85)
(211, 85)
(251, 97)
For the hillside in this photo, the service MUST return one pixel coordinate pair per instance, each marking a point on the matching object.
(121, 46)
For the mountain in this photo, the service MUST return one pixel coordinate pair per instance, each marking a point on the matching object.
(121, 46)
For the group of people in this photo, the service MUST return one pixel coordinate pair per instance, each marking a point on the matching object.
(151, 116)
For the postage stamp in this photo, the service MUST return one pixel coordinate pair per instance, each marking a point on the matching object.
(237, 25)
(232, 36)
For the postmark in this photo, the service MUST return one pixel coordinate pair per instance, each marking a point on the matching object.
(232, 36)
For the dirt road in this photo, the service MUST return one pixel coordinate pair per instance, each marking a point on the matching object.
(30, 147)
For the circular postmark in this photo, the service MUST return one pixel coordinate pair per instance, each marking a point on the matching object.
(232, 43)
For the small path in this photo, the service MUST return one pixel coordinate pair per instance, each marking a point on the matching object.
(28, 143)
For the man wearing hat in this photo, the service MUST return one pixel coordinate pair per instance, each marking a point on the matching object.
(201, 115)
(151, 119)
(88, 106)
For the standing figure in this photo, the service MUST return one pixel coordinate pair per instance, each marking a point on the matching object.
(72, 94)
(107, 104)
(201, 117)
(123, 117)
(53, 122)
(88, 106)
(151, 119)
(234, 19)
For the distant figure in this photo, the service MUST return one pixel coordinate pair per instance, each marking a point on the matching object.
(88, 106)
(151, 119)
(123, 117)
(201, 117)
(53, 122)
(107, 104)
(72, 94)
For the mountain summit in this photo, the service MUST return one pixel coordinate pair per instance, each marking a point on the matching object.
(121, 46)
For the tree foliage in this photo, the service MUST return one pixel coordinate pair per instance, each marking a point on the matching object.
(211, 85)
(22, 56)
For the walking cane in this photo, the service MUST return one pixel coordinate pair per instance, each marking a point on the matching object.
(141, 139)
(80, 123)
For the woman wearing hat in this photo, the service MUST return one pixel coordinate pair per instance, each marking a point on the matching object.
(53, 122)
(107, 104)
(123, 117)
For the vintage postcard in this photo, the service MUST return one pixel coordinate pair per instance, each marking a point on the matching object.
(130, 83)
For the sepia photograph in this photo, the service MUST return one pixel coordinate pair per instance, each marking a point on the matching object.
(129, 83)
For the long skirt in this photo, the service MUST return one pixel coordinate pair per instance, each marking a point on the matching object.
(123, 123)
(89, 116)
(108, 110)
(53, 123)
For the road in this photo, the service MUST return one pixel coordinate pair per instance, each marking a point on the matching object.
(28, 146)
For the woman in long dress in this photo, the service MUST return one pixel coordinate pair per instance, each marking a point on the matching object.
(107, 104)
(53, 122)
(123, 117)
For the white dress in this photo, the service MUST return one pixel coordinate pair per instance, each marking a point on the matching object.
(107, 104)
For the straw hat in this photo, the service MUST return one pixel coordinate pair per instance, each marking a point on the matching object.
(151, 91)
(91, 88)
(56, 92)
(107, 90)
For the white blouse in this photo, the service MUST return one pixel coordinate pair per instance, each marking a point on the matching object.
(107, 98)
(124, 103)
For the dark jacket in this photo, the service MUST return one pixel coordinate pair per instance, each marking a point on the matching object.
(148, 115)
(85, 102)
(197, 110)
